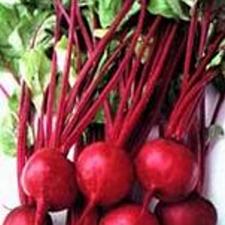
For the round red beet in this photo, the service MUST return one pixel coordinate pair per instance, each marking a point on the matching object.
(104, 173)
(167, 169)
(129, 215)
(24, 215)
(48, 176)
(194, 211)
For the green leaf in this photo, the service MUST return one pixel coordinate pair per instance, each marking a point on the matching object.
(176, 6)
(161, 7)
(35, 70)
(32, 32)
(107, 10)
(7, 135)
(8, 20)
(22, 29)
(8, 123)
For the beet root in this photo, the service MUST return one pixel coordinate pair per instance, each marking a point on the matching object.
(193, 211)
(104, 173)
(129, 215)
(167, 169)
(49, 177)
(24, 215)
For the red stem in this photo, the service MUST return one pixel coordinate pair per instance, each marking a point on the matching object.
(52, 85)
(40, 212)
(89, 115)
(182, 106)
(190, 46)
(83, 29)
(195, 78)
(205, 61)
(188, 118)
(134, 69)
(95, 55)
(108, 120)
(63, 11)
(61, 106)
(154, 76)
(155, 115)
(22, 138)
(149, 66)
(39, 143)
(77, 54)
(86, 95)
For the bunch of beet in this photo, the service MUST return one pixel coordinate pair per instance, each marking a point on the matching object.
(116, 170)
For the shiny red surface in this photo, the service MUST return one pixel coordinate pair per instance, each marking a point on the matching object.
(104, 173)
(167, 169)
(48, 175)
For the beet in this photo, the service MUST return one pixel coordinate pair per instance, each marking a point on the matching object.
(129, 215)
(193, 211)
(104, 173)
(24, 215)
(167, 169)
(48, 177)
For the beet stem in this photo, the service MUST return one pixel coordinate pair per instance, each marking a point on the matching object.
(190, 46)
(108, 120)
(40, 213)
(134, 69)
(174, 123)
(89, 115)
(61, 106)
(155, 115)
(52, 85)
(95, 55)
(22, 137)
(87, 94)
(83, 29)
(154, 76)
(195, 78)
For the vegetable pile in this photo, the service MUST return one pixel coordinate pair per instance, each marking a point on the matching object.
(93, 80)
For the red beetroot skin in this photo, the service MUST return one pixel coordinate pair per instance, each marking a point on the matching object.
(197, 211)
(49, 176)
(129, 215)
(104, 173)
(90, 219)
(167, 169)
(23, 215)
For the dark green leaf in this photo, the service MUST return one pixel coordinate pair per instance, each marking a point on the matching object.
(161, 7)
